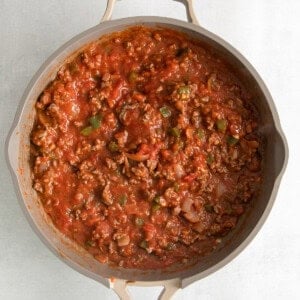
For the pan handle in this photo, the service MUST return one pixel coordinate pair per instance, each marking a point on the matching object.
(191, 16)
(170, 288)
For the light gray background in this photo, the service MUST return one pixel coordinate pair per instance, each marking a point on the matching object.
(266, 32)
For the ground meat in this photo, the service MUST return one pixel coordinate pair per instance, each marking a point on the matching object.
(145, 149)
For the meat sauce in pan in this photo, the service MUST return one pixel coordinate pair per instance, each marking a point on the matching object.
(145, 149)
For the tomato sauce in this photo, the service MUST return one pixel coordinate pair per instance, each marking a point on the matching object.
(145, 149)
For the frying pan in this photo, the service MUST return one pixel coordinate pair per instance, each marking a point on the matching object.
(275, 160)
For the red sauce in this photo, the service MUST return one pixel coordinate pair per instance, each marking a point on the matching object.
(145, 149)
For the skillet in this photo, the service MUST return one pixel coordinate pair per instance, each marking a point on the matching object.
(18, 152)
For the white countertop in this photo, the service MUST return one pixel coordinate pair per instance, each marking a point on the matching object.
(267, 33)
